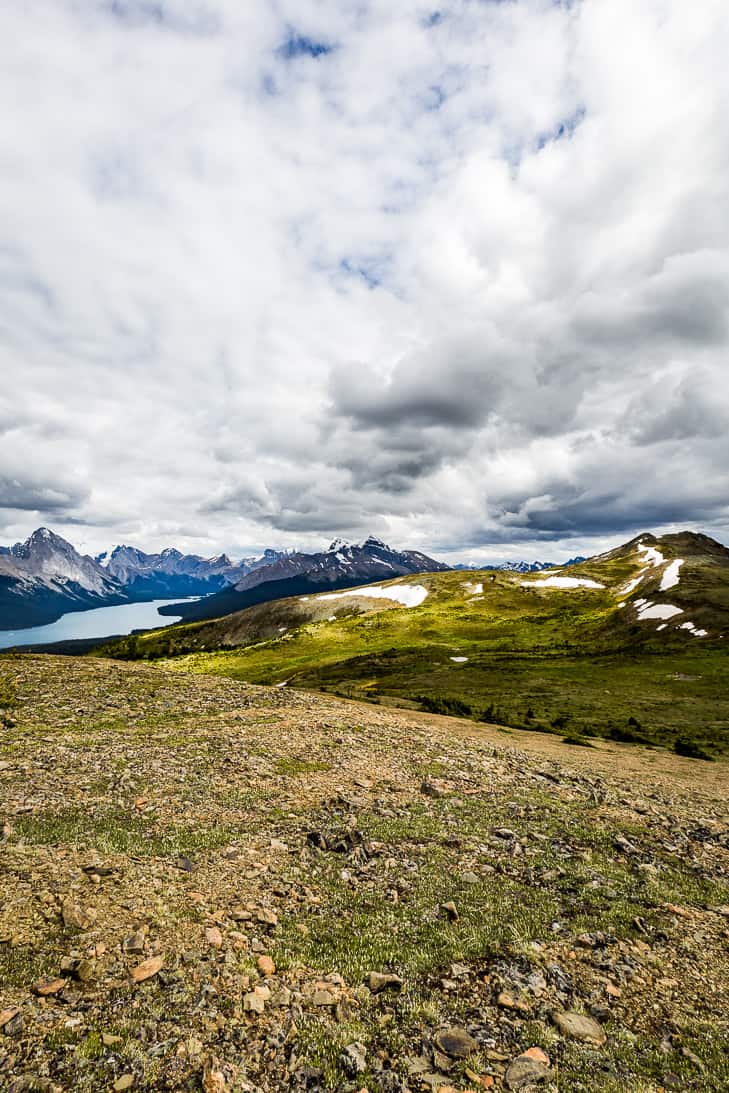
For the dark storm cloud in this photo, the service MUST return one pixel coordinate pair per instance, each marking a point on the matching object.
(32, 496)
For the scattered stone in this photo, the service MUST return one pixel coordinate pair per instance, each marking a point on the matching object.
(213, 1080)
(510, 1001)
(456, 1042)
(354, 1059)
(503, 832)
(108, 1039)
(434, 787)
(126, 1081)
(46, 987)
(147, 969)
(578, 1027)
(470, 878)
(282, 998)
(214, 937)
(253, 1003)
(324, 998)
(134, 943)
(380, 981)
(265, 965)
(84, 971)
(527, 1070)
(269, 918)
(75, 918)
(7, 1015)
(536, 1055)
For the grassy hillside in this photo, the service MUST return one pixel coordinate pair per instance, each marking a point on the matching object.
(212, 886)
(579, 660)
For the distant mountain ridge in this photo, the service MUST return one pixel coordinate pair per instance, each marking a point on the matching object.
(343, 565)
(521, 567)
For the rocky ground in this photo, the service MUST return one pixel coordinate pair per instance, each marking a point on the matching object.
(209, 885)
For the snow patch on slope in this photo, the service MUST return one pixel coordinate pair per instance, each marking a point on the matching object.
(409, 595)
(693, 630)
(652, 556)
(562, 582)
(670, 577)
(657, 611)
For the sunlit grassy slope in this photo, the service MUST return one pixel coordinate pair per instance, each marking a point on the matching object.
(579, 661)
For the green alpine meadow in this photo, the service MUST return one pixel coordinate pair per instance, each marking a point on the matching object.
(629, 646)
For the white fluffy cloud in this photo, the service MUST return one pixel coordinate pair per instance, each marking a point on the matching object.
(457, 274)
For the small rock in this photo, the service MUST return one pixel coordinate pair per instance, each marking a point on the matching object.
(214, 937)
(354, 1059)
(134, 943)
(14, 1025)
(213, 1080)
(125, 1082)
(578, 1027)
(75, 918)
(7, 1015)
(84, 971)
(282, 998)
(525, 1071)
(269, 918)
(451, 910)
(456, 1042)
(536, 1055)
(324, 998)
(434, 787)
(469, 878)
(380, 981)
(265, 965)
(108, 1039)
(147, 969)
(46, 987)
(253, 1003)
(510, 1001)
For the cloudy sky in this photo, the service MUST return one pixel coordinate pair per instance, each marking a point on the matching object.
(453, 273)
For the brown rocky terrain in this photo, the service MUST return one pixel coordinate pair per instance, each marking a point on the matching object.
(210, 885)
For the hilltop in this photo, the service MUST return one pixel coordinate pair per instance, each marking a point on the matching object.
(630, 644)
(212, 885)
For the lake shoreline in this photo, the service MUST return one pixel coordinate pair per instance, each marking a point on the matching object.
(78, 631)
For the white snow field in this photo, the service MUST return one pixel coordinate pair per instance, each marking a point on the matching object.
(652, 556)
(409, 595)
(670, 576)
(562, 582)
(658, 611)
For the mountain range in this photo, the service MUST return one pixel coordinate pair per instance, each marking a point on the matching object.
(343, 565)
(521, 567)
(46, 577)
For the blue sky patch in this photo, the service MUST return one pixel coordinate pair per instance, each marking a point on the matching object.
(300, 45)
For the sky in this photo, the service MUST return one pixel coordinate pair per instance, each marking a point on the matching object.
(455, 274)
